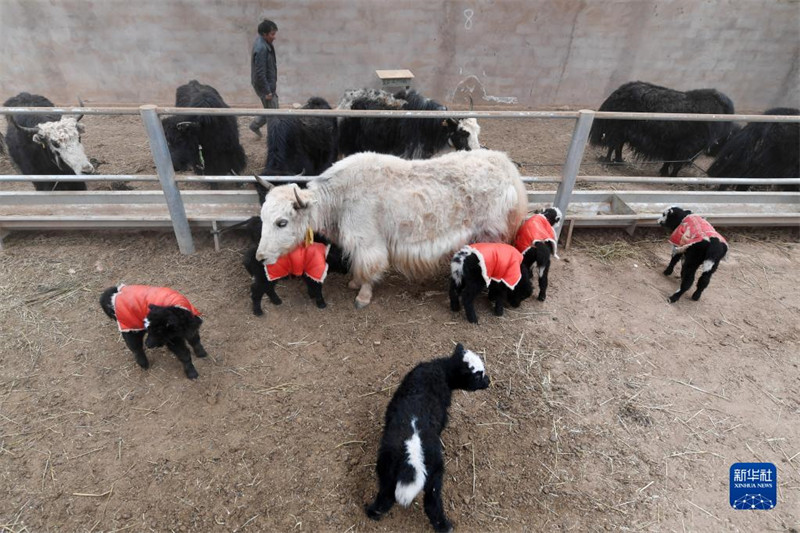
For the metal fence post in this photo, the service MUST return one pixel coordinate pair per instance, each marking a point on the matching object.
(166, 174)
(574, 157)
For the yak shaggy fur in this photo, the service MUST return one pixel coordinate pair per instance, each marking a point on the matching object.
(385, 211)
(673, 142)
(761, 150)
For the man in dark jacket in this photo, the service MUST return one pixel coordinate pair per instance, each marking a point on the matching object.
(264, 71)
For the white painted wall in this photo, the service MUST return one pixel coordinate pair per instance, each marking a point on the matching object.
(538, 53)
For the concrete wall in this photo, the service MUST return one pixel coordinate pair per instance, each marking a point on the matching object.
(537, 53)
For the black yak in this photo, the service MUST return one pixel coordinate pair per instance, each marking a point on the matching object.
(46, 144)
(673, 142)
(301, 145)
(409, 138)
(761, 150)
(206, 144)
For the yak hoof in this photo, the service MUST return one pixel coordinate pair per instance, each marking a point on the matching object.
(361, 304)
(353, 284)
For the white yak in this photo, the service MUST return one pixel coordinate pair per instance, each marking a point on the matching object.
(386, 211)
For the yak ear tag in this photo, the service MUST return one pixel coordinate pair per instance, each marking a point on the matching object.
(309, 238)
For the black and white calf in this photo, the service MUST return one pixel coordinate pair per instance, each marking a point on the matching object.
(410, 456)
(163, 314)
(312, 263)
(536, 240)
(495, 266)
(695, 242)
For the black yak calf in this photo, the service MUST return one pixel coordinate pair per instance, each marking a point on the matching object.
(409, 138)
(495, 266)
(46, 144)
(536, 240)
(761, 150)
(674, 142)
(163, 314)
(695, 242)
(410, 455)
(301, 145)
(312, 263)
(206, 144)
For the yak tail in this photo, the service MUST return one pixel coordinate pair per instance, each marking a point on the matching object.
(714, 254)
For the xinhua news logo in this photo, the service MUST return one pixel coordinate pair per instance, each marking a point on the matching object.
(753, 486)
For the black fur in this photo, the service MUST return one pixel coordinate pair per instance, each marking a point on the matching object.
(261, 285)
(761, 150)
(673, 142)
(472, 284)
(172, 327)
(409, 138)
(695, 255)
(218, 135)
(301, 145)
(31, 157)
(424, 396)
(540, 255)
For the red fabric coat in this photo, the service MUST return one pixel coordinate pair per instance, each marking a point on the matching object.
(499, 262)
(694, 228)
(309, 260)
(131, 304)
(536, 229)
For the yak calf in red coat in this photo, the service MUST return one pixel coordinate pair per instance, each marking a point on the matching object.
(163, 314)
(695, 242)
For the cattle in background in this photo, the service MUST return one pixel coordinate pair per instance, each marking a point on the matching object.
(380, 97)
(673, 142)
(205, 144)
(46, 144)
(409, 138)
(301, 145)
(385, 211)
(761, 150)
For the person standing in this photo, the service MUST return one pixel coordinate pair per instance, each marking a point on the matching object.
(264, 71)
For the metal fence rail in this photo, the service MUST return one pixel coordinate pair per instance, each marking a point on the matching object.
(786, 205)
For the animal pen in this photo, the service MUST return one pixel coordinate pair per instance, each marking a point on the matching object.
(219, 210)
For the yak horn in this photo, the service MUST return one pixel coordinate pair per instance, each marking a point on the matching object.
(263, 183)
(300, 203)
(80, 103)
(23, 128)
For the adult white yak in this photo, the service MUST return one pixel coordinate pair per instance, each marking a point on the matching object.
(386, 211)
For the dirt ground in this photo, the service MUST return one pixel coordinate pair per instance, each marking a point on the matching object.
(609, 409)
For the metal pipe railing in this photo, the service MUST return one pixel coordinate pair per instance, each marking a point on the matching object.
(166, 174)
(230, 111)
(584, 119)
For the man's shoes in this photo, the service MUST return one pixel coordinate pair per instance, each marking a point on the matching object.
(255, 129)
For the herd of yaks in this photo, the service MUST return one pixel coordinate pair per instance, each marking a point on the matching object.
(408, 210)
